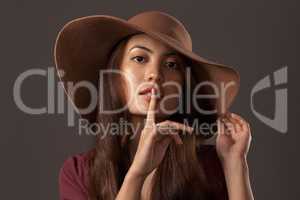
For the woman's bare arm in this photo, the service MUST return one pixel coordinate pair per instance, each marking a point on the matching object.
(237, 179)
(232, 145)
(131, 187)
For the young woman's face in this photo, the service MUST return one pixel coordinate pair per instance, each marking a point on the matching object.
(148, 63)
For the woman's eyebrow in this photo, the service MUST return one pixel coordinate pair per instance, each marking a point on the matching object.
(141, 47)
(171, 53)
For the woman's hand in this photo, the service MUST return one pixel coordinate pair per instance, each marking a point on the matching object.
(233, 142)
(154, 141)
(234, 137)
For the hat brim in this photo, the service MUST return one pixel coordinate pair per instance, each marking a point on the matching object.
(83, 46)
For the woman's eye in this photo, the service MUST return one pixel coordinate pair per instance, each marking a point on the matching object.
(172, 65)
(139, 59)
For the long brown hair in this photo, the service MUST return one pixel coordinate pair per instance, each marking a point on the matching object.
(191, 171)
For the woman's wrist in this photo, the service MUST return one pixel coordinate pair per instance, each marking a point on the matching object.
(236, 173)
(235, 162)
(132, 174)
(131, 187)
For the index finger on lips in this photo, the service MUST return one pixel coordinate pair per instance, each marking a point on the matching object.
(151, 108)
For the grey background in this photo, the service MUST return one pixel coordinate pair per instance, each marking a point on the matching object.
(256, 36)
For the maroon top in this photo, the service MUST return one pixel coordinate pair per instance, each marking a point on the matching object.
(73, 175)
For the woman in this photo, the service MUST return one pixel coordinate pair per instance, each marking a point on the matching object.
(163, 155)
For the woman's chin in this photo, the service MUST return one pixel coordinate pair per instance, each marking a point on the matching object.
(158, 114)
(142, 106)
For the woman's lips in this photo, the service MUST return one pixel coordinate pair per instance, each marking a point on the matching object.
(147, 90)
(146, 93)
(147, 96)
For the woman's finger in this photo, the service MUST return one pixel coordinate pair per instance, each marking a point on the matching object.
(221, 127)
(169, 133)
(229, 127)
(236, 122)
(175, 126)
(244, 125)
(177, 138)
(151, 109)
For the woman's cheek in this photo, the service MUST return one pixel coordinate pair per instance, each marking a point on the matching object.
(136, 103)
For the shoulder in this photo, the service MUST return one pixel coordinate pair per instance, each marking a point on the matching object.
(76, 164)
(73, 176)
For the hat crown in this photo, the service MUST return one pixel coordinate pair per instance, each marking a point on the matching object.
(165, 24)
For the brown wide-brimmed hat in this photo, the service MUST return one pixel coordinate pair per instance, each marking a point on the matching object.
(83, 47)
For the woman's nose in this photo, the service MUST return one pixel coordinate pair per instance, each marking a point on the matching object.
(154, 75)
